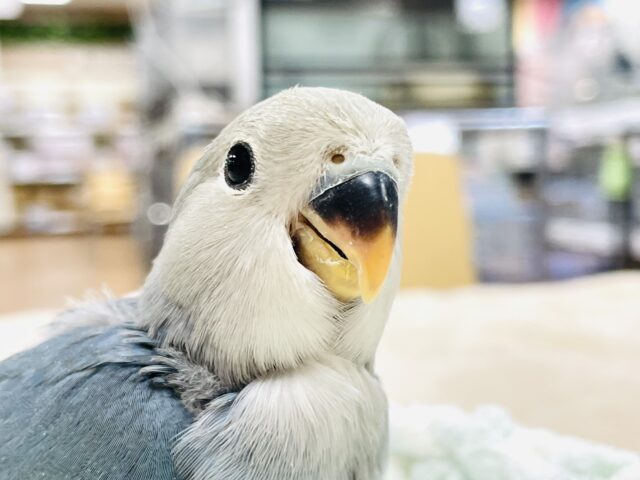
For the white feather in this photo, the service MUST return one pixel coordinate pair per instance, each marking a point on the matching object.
(326, 420)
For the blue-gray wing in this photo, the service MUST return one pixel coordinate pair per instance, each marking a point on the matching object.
(75, 407)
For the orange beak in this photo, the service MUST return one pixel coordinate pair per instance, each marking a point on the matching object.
(347, 234)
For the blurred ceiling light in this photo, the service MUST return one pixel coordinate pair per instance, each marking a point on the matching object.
(45, 2)
(481, 16)
(10, 9)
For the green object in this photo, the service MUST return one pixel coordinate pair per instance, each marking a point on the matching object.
(615, 175)
(63, 31)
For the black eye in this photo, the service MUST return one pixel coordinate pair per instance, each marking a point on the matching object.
(239, 166)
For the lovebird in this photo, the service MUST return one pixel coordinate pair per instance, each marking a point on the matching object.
(248, 352)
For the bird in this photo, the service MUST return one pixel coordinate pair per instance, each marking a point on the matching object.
(248, 351)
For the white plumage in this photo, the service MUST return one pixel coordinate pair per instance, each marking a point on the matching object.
(228, 289)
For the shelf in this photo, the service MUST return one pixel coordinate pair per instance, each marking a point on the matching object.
(589, 236)
(85, 230)
(47, 183)
(24, 135)
(596, 123)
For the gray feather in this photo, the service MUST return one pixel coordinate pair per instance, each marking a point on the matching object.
(76, 407)
(195, 384)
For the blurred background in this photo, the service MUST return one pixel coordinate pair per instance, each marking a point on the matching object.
(525, 119)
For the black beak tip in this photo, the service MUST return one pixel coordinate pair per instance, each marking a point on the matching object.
(367, 203)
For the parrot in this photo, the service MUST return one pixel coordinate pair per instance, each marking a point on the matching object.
(248, 351)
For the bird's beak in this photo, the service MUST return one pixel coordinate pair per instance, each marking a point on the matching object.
(347, 233)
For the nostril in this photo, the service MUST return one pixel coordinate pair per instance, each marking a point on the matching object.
(337, 158)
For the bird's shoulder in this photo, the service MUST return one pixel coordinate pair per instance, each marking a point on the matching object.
(80, 406)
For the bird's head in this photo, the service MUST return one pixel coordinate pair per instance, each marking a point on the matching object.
(284, 242)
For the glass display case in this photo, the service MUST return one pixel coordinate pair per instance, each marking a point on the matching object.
(401, 53)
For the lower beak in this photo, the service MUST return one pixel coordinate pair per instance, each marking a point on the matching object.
(346, 235)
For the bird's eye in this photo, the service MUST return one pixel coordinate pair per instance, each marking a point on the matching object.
(239, 167)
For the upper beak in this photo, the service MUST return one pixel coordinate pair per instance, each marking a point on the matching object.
(347, 234)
